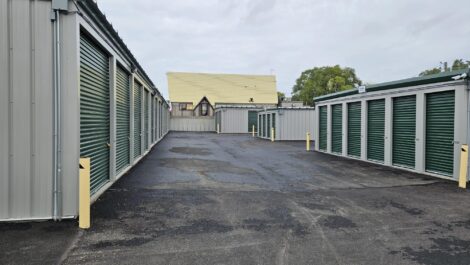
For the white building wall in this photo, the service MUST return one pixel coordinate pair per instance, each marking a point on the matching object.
(234, 120)
(294, 124)
(192, 124)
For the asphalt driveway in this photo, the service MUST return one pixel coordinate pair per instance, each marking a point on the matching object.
(202, 198)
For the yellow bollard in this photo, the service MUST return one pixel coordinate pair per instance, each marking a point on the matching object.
(84, 194)
(463, 166)
(272, 134)
(308, 142)
(253, 131)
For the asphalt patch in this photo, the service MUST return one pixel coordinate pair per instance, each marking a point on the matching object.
(191, 151)
(205, 165)
(338, 222)
(450, 250)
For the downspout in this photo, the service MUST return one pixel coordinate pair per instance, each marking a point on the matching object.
(57, 146)
(468, 122)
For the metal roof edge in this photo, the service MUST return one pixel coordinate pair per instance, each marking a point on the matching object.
(237, 107)
(289, 108)
(100, 19)
(413, 81)
(229, 74)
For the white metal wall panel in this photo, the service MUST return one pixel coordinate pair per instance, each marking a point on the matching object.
(190, 124)
(4, 111)
(294, 124)
(234, 120)
(26, 109)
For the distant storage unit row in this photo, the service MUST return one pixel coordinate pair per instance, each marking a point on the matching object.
(70, 88)
(288, 124)
(236, 119)
(418, 124)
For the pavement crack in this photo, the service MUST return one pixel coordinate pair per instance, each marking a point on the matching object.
(70, 247)
(314, 223)
(283, 254)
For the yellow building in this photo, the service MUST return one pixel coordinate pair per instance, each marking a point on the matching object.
(197, 94)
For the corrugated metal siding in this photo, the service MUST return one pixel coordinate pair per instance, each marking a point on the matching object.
(234, 120)
(137, 120)
(404, 131)
(156, 120)
(260, 125)
(354, 129)
(26, 110)
(375, 129)
(252, 120)
(122, 119)
(440, 109)
(268, 125)
(193, 124)
(160, 132)
(265, 127)
(152, 121)
(323, 123)
(337, 128)
(94, 110)
(293, 125)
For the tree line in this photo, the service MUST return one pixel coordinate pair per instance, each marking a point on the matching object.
(324, 80)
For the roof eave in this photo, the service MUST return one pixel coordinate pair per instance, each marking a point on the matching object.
(414, 81)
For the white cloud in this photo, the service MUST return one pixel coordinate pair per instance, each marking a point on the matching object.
(382, 39)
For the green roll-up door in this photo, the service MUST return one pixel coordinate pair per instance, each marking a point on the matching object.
(146, 120)
(161, 119)
(122, 119)
(264, 125)
(94, 110)
(260, 125)
(375, 129)
(323, 128)
(152, 118)
(337, 128)
(157, 111)
(354, 129)
(440, 109)
(404, 131)
(137, 120)
(252, 120)
(274, 124)
(268, 125)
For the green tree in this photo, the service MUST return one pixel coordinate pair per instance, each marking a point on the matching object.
(280, 96)
(431, 71)
(323, 80)
(458, 64)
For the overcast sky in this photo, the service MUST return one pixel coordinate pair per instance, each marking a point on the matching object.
(383, 40)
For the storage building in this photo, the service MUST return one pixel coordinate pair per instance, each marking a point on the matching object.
(418, 124)
(289, 124)
(236, 119)
(69, 88)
